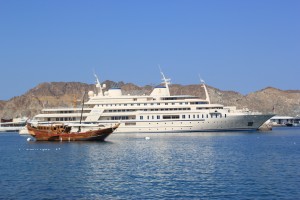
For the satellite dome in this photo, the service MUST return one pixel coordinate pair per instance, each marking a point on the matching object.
(91, 93)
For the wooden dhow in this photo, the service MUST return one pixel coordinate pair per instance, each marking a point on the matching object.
(62, 132)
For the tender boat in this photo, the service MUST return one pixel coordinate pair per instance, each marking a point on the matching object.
(65, 132)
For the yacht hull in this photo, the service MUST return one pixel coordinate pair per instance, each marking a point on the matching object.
(230, 123)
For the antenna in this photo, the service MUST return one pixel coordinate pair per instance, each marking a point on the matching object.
(201, 80)
(165, 80)
(98, 85)
(205, 89)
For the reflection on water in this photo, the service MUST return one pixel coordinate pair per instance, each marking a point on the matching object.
(167, 166)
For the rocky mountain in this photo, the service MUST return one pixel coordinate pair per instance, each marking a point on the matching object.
(69, 94)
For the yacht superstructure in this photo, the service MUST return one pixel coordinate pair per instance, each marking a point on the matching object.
(157, 112)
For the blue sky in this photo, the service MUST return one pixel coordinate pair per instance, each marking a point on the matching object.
(236, 45)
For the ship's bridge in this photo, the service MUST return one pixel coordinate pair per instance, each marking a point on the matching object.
(113, 92)
(189, 98)
(160, 91)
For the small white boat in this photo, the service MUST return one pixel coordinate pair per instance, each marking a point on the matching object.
(13, 125)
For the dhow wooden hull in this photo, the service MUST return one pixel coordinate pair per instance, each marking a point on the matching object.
(93, 135)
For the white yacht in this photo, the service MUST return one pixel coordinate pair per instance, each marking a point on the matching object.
(158, 112)
(12, 125)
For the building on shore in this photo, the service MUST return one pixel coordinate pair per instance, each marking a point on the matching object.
(285, 121)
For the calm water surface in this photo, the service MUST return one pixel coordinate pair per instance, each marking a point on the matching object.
(241, 165)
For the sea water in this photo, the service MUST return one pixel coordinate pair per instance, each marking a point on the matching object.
(223, 165)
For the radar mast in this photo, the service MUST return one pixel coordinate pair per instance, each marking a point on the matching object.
(202, 82)
(166, 81)
(98, 86)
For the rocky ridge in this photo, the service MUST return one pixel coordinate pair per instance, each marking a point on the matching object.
(69, 94)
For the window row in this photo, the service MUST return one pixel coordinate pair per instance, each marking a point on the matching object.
(198, 116)
(60, 119)
(152, 104)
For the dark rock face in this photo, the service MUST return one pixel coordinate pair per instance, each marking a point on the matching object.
(69, 94)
